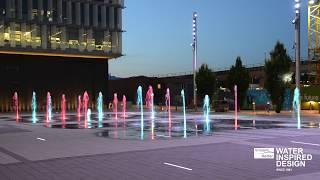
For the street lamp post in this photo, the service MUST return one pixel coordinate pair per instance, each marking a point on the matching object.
(194, 50)
(296, 22)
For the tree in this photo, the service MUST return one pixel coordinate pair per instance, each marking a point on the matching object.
(206, 82)
(239, 75)
(275, 69)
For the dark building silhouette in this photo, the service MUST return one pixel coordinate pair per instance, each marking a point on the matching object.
(61, 46)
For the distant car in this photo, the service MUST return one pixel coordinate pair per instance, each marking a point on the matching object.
(221, 106)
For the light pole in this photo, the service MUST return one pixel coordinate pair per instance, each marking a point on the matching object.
(194, 50)
(296, 22)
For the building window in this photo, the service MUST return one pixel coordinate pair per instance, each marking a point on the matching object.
(2, 8)
(64, 11)
(99, 15)
(74, 14)
(91, 14)
(82, 12)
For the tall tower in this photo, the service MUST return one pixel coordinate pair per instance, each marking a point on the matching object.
(314, 34)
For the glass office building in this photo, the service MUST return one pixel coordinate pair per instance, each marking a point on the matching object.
(84, 28)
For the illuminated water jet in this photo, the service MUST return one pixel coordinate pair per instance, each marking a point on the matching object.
(49, 107)
(89, 118)
(63, 107)
(184, 114)
(168, 108)
(140, 105)
(115, 105)
(34, 107)
(150, 100)
(296, 106)
(85, 103)
(235, 107)
(16, 105)
(100, 106)
(124, 106)
(79, 107)
(206, 111)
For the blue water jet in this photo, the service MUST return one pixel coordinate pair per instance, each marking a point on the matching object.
(34, 107)
(296, 106)
(100, 107)
(140, 103)
(206, 111)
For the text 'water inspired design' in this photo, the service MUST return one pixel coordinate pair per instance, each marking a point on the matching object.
(124, 106)
(184, 114)
(296, 106)
(79, 107)
(150, 100)
(140, 105)
(235, 107)
(206, 111)
(115, 105)
(63, 107)
(49, 107)
(168, 108)
(85, 103)
(34, 107)
(16, 105)
(100, 106)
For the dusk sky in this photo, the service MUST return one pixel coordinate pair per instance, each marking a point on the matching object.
(159, 33)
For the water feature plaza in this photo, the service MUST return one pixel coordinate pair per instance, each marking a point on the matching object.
(145, 141)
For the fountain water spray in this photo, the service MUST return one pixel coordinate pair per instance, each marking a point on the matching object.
(79, 107)
(16, 104)
(63, 107)
(115, 105)
(100, 106)
(124, 106)
(296, 106)
(140, 103)
(152, 128)
(89, 118)
(34, 107)
(152, 117)
(184, 114)
(85, 103)
(49, 107)
(235, 107)
(152, 106)
(150, 100)
(206, 111)
(168, 108)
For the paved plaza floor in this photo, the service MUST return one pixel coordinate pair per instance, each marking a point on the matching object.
(35, 152)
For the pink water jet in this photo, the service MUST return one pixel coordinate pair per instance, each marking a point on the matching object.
(149, 97)
(115, 105)
(85, 103)
(124, 106)
(63, 107)
(15, 101)
(79, 106)
(235, 107)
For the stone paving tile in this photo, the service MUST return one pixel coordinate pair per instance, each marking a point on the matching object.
(215, 161)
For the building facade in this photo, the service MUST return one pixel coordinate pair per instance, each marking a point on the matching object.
(57, 46)
(82, 28)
